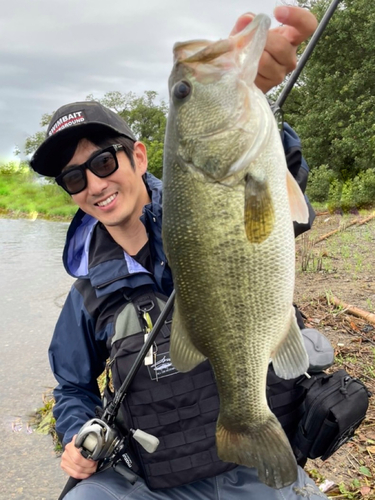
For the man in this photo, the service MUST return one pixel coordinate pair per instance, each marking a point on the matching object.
(114, 247)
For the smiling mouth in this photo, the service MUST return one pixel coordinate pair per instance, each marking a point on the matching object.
(107, 201)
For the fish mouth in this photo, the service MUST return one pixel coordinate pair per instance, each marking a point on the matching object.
(205, 51)
(218, 148)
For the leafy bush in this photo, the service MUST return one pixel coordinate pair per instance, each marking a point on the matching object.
(364, 187)
(325, 186)
(14, 168)
(335, 194)
(359, 192)
(318, 186)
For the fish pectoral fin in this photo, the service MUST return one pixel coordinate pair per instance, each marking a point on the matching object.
(184, 355)
(265, 447)
(259, 210)
(291, 359)
(298, 206)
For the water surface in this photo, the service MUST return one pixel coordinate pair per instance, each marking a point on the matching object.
(33, 287)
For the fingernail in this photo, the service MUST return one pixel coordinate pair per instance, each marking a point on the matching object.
(248, 14)
(282, 14)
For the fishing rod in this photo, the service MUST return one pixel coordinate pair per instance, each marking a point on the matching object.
(112, 409)
(99, 439)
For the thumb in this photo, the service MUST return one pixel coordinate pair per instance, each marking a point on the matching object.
(298, 23)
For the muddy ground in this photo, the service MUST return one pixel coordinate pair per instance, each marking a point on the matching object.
(343, 266)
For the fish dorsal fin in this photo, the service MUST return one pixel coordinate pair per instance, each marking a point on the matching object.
(298, 206)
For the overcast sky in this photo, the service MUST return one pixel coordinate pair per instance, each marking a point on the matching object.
(53, 52)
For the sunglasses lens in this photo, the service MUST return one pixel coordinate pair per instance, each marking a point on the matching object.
(104, 164)
(74, 181)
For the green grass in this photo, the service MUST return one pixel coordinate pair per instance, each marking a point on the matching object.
(23, 193)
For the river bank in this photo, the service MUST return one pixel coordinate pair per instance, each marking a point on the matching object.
(33, 215)
(23, 192)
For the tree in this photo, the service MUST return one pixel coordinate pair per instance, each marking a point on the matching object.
(148, 121)
(146, 118)
(332, 108)
(115, 100)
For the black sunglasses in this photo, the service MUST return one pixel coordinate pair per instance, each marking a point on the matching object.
(102, 164)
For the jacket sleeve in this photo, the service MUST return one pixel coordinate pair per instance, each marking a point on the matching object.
(299, 169)
(77, 356)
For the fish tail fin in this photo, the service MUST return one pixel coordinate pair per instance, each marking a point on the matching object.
(266, 448)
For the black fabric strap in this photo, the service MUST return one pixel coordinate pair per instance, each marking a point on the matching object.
(187, 437)
(170, 417)
(180, 464)
(286, 398)
(167, 391)
(291, 417)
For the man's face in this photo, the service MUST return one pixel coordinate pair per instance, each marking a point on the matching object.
(116, 200)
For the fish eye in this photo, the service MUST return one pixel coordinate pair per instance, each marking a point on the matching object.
(181, 89)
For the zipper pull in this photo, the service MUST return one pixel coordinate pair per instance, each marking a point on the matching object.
(344, 385)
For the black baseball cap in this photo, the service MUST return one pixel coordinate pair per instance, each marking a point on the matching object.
(74, 122)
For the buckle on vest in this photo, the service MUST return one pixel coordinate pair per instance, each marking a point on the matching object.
(145, 306)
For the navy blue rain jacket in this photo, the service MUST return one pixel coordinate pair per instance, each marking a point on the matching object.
(78, 350)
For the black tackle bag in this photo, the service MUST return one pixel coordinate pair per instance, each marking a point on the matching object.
(335, 405)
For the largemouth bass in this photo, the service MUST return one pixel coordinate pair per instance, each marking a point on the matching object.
(229, 205)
